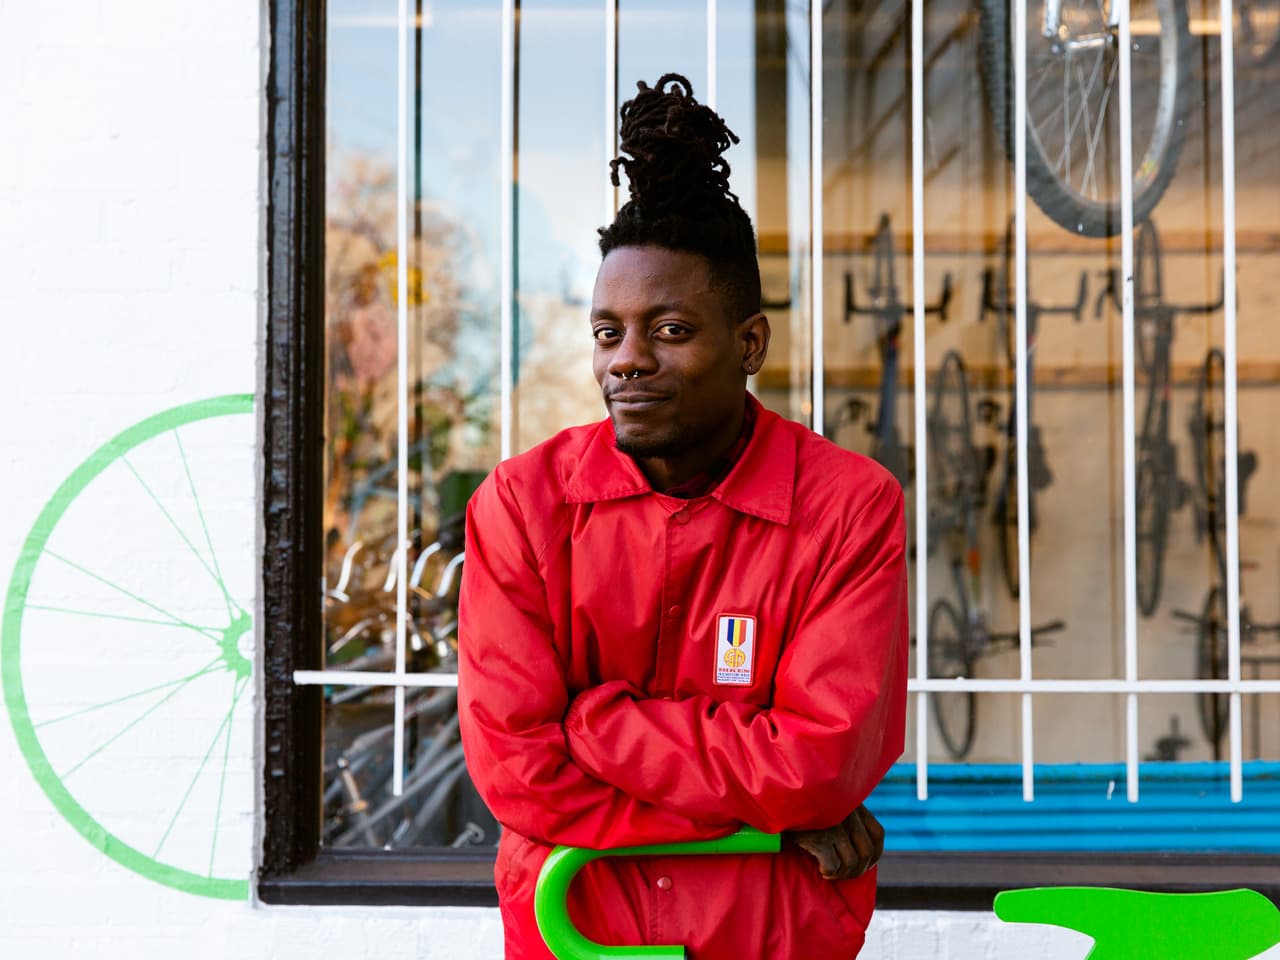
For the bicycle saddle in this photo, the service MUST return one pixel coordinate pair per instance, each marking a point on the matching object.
(1133, 925)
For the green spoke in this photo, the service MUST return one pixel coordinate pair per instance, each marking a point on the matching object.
(222, 780)
(114, 616)
(177, 621)
(133, 723)
(217, 735)
(209, 667)
(191, 484)
(174, 523)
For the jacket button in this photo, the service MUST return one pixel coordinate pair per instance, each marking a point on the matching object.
(673, 611)
(664, 883)
(680, 517)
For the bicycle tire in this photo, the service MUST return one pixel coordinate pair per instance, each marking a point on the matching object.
(1006, 519)
(1211, 664)
(1150, 314)
(951, 426)
(1208, 434)
(950, 656)
(24, 712)
(1152, 528)
(1076, 207)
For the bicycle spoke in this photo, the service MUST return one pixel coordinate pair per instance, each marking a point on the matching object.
(133, 723)
(210, 667)
(222, 778)
(111, 616)
(1093, 135)
(191, 484)
(174, 523)
(217, 735)
(177, 621)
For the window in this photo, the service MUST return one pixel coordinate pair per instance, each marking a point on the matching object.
(1095, 690)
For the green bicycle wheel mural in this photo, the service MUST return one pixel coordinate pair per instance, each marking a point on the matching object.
(126, 647)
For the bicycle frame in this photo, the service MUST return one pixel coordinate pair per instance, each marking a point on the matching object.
(1157, 454)
(1052, 25)
(887, 309)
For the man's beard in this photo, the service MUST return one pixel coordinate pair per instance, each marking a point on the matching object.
(667, 444)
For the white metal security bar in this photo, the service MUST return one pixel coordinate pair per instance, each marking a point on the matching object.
(1019, 20)
(982, 685)
(373, 678)
(507, 188)
(713, 30)
(1227, 61)
(1121, 9)
(398, 564)
(918, 388)
(610, 104)
(816, 193)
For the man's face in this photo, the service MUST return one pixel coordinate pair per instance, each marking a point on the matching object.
(670, 363)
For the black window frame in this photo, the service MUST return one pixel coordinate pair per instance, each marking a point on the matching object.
(293, 868)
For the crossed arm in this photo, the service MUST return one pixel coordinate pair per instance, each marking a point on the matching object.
(613, 767)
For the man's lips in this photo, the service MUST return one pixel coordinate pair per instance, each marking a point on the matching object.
(636, 400)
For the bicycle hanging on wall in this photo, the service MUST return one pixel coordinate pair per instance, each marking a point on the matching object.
(998, 299)
(887, 309)
(1208, 428)
(1160, 489)
(957, 638)
(1073, 103)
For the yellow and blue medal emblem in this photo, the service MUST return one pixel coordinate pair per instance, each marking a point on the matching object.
(735, 650)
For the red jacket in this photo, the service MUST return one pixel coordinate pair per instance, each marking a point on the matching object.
(636, 668)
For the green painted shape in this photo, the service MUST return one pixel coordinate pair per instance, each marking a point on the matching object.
(1135, 925)
(558, 932)
(10, 650)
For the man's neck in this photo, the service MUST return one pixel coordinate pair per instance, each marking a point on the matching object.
(664, 473)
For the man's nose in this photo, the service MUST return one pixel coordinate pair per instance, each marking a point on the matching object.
(632, 358)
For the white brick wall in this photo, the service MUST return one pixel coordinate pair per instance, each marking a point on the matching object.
(130, 194)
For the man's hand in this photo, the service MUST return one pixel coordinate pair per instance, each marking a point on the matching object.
(848, 849)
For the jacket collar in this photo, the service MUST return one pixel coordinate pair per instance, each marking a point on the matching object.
(760, 484)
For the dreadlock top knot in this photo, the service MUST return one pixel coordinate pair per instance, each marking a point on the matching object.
(675, 146)
(672, 149)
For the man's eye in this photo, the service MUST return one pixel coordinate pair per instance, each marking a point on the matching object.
(673, 329)
(603, 334)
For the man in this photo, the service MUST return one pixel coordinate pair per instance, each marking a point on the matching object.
(690, 616)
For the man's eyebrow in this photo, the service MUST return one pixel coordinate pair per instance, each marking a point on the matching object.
(671, 306)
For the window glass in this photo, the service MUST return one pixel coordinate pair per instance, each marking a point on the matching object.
(971, 583)
(449, 162)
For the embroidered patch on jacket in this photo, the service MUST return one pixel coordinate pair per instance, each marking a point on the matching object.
(735, 650)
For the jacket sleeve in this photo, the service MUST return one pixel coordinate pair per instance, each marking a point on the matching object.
(837, 719)
(512, 700)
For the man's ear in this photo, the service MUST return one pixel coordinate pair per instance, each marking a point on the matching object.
(753, 338)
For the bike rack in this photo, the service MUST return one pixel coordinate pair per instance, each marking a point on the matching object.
(887, 306)
(1150, 303)
(888, 310)
(565, 941)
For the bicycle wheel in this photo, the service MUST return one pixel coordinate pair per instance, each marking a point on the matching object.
(1152, 524)
(1209, 441)
(1006, 519)
(129, 546)
(1152, 320)
(1211, 664)
(950, 657)
(951, 429)
(1073, 105)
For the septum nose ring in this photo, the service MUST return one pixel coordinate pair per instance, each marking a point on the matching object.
(635, 374)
